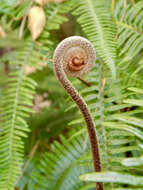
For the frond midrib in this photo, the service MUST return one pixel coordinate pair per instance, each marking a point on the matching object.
(125, 25)
(20, 77)
(104, 45)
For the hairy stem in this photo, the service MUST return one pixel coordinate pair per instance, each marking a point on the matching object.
(59, 70)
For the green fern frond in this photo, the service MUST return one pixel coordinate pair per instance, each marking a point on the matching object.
(60, 169)
(16, 107)
(99, 28)
(130, 24)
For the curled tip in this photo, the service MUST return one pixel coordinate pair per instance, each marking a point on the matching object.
(76, 54)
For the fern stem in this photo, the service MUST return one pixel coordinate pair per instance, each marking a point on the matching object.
(60, 69)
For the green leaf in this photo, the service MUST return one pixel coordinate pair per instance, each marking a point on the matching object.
(130, 120)
(134, 102)
(133, 161)
(133, 130)
(112, 177)
(137, 90)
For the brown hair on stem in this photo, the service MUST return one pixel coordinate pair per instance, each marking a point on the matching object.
(75, 56)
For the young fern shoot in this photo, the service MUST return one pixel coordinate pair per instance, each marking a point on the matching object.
(75, 56)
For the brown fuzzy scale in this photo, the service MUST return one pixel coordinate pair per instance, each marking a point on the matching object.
(60, 67)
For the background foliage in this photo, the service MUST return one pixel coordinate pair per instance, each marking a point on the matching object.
(43, 139)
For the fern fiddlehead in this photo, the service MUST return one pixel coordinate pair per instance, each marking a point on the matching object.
(75, 56)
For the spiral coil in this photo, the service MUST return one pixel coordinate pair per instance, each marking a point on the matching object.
(76, 54)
